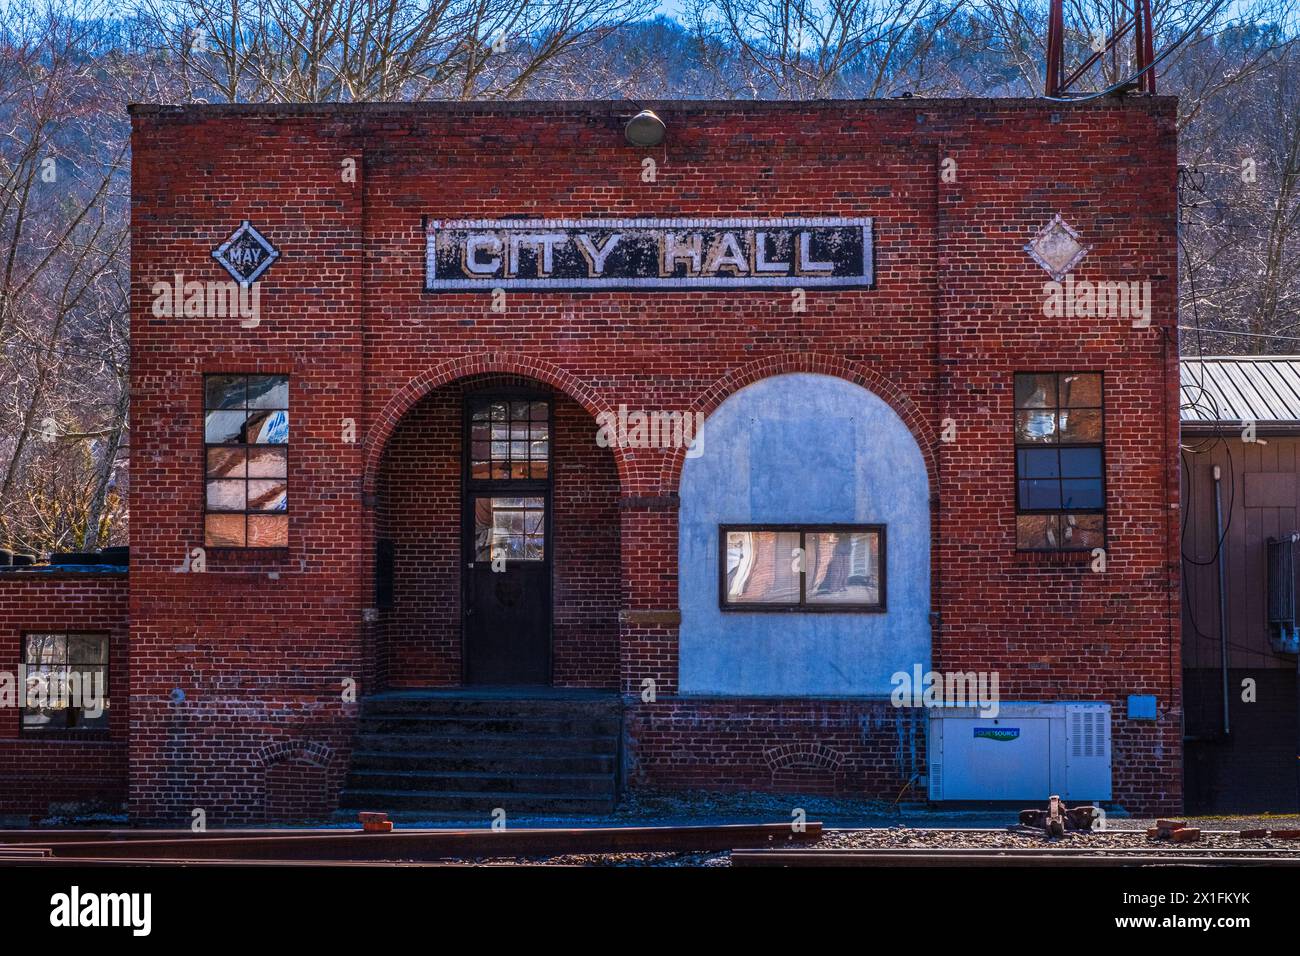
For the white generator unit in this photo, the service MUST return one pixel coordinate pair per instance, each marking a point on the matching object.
(1028, 752)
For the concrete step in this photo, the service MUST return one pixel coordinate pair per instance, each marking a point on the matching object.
(476, 724)
(489, 744)
(390, 704)
(484, 761)
(441, 754)
(445, 802)
(597, 784)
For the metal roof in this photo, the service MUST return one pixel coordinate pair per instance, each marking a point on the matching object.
(1237, 388)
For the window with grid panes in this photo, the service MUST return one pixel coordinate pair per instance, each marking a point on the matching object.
(1060, 473)
(65, 683)
(510, 439)
(246, 449)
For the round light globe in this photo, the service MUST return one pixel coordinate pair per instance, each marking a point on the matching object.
(645, 129)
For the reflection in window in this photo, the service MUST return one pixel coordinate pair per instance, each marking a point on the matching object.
(510, 528)
(786, 568)
(1060, 478)
(510, 439)
(65, 682)
(763, 567)
(246, 437)
(843, 567)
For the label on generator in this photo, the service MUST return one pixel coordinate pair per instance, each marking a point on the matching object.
(997, 733)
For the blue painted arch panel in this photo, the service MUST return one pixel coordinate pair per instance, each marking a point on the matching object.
(804, 448)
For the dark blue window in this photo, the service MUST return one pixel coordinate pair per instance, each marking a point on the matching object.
(1060, 470)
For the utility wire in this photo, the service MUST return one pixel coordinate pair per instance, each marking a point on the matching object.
(1115, 88)
(1258, 335)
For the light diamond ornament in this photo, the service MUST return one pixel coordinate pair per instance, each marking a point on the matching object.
(246, 254)
(1057, 248)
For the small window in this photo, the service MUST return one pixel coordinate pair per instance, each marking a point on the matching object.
(510, 439)
(1060, 466)
(802, 568)
(509, 528)
(246, 444)
(65, 681)
(384, 563)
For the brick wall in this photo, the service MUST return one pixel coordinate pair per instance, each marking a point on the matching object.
(849, 748)
(955, 312)
(44, 776)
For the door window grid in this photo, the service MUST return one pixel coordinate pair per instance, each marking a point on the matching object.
(510, 528)
(510, 439)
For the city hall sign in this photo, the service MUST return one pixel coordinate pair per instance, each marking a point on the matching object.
(648, 254)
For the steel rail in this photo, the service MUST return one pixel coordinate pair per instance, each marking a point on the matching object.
(440, 844)
(176, 863)
(90, 834)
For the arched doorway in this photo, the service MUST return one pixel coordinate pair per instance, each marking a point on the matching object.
(497, 541)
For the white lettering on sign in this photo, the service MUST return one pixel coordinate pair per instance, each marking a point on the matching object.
(648, 253)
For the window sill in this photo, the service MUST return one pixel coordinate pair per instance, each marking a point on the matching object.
(252, 560)
(803, 609)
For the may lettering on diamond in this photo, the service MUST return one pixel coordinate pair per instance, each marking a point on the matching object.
(648, 253)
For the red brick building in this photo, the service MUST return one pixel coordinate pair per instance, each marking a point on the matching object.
(403, 468)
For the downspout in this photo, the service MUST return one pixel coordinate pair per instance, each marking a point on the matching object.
(1223, 593)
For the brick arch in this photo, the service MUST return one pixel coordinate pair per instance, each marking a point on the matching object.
(312, 751)
(300, 780)
(671, 474)
(803, 755)
(466, 366)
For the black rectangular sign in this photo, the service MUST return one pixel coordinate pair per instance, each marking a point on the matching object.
(648, 254)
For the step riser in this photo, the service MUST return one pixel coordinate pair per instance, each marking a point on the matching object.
(511, 803)
(536, 786)
(483, 763)
(445, 756)
(496, 746)
(431, 726)
(521, 708)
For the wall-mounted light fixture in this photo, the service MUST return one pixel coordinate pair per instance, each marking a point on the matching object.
(645, 129)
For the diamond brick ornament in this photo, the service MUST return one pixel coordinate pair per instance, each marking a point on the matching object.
(246, 254)
(1057, 248)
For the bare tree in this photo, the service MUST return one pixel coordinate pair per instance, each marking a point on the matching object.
(811, 49)
(342, 50)
(1241, 217)
(63, 237)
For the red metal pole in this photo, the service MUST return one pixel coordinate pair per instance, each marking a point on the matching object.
(1147, 53)
(1055, 49)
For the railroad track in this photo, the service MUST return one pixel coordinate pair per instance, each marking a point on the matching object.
(399, 845)
(748, 845)
(1009, 857)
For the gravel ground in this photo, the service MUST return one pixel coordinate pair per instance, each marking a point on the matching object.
(1128, 837)
(1007, 839)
